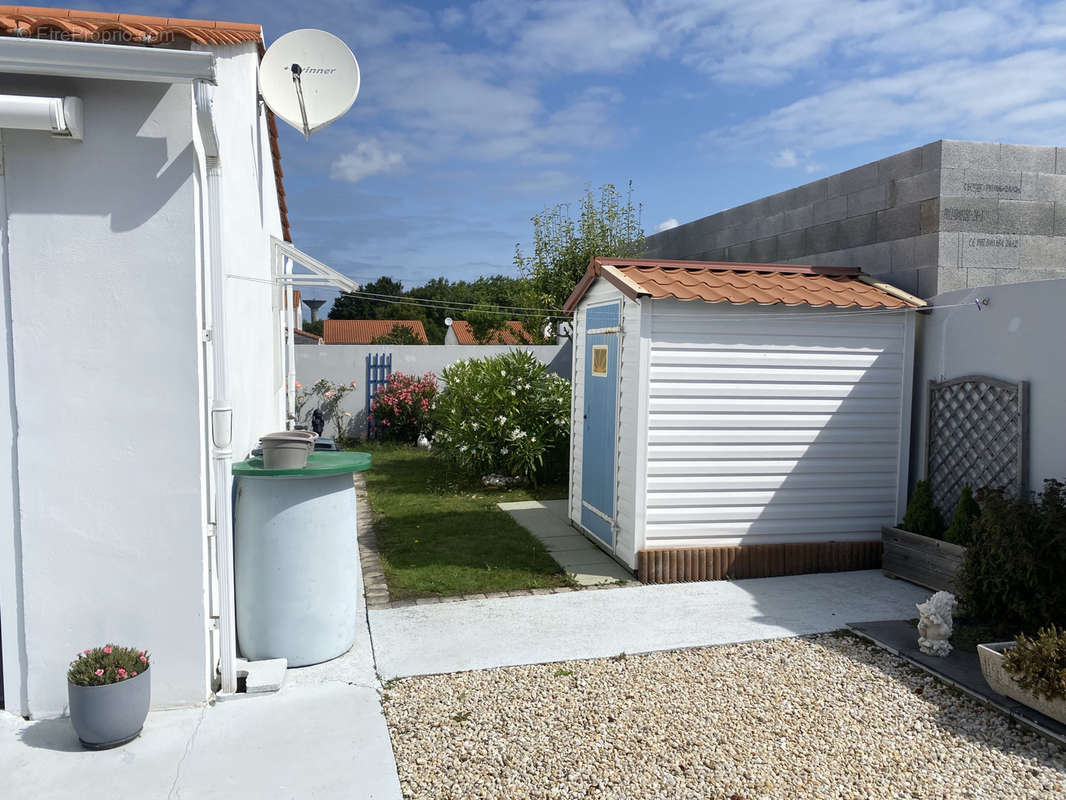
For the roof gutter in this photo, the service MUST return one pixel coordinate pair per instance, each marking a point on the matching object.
(111, 62)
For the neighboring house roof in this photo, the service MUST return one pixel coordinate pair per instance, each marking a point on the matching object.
(364, 331)
(513, 333)
(301, 334)
(138, 29)
(741, 284)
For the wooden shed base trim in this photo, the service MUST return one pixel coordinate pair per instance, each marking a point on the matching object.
(755, 561)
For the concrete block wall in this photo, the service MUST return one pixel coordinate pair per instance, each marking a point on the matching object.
(944, 216)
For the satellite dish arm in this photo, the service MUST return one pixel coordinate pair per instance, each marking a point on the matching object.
(296, 72)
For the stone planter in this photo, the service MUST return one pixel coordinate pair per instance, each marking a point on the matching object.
(932, 563)
(1001, 681)
(110, 715)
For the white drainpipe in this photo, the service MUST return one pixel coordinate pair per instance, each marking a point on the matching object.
(221, 423)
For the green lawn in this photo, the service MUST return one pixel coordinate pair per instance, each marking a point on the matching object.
(440, 535)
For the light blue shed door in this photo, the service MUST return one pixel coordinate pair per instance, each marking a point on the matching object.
(601, 406)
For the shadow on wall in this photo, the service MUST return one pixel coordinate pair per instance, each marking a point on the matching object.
(117, 171)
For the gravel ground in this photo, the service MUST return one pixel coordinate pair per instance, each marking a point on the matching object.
(827, 716)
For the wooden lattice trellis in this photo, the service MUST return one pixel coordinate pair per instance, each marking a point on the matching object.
(977, 434)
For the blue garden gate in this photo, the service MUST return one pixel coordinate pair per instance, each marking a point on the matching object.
(378, 370)
(602, 326)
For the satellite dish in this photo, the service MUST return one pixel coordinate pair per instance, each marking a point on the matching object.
(448, 321)
(309, 78)
(549, 331)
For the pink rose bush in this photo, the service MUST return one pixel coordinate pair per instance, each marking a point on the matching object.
(403, 408)
(503, 414)
(108, 664)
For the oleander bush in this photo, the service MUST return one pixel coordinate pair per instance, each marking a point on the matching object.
(100, 666)
(1015, 562)
(1039, 663)
(503, 414)
(403, 408)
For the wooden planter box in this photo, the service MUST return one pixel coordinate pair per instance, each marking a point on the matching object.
(928, 562)
(1003, 682)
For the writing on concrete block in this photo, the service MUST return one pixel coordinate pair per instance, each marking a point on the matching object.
(1000, 188)
(994, 241)
(968, 214)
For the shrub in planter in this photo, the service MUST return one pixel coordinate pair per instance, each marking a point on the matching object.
(503, 414)
(109, 691)
(960, 531)
(922, 517)
(402, 409)
(1013, 569)
(1038, 664)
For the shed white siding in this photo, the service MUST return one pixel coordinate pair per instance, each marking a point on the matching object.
(770, 424)
(626, 471)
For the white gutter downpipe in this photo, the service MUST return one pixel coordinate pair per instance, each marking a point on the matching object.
(221, 423)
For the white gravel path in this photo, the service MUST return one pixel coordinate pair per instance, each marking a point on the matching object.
(827, 716)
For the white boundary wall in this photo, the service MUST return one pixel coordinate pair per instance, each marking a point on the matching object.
(1019, 336)
(341, 363)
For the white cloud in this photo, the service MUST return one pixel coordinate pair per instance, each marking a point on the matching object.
(1015, 98)
(786, 158)
(666, 225)
(368, 158)
(451, 18)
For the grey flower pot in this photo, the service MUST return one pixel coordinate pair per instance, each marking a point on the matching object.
(107, 716)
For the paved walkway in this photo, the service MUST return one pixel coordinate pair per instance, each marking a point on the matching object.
(549, 521)
(480, 634)
(322, 736)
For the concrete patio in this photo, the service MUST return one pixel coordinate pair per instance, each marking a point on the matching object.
(323, 735)
(480, 634)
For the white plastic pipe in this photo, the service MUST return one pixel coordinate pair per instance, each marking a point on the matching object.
(60, 116)
(221, 411)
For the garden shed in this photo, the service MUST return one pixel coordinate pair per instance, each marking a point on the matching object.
(739, 420)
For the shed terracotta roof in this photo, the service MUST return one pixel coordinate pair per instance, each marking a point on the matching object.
(32, 22)
(364, 331)
(741, 284)
(513, 333)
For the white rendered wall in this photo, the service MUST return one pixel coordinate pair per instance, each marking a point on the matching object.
(771, 424)
(1018, 336)
(626, 440)
(250, 216)
(106, 381)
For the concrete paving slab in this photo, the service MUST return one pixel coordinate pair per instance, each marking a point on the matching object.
(594, 624)
(323, 742)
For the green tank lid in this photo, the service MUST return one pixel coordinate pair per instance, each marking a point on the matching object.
(319, 463)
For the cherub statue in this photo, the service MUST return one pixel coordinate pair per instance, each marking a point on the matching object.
(934, 624)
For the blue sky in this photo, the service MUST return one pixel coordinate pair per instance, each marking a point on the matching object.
(472, 117)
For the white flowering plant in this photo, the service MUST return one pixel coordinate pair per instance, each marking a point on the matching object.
(503, 414)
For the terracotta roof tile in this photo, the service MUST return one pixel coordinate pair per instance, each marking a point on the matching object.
(143, 30)
(740, 284)
(364, 331)
(514, 333)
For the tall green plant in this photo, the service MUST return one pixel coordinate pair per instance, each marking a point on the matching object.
(607, 225)
(1014, 565)
(922, 516)
(960, 531)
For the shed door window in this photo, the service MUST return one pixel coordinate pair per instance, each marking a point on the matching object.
(599, 360)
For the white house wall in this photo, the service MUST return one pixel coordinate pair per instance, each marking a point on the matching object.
(770, 425)
(105, 330)
(250, 216)
(626, 438)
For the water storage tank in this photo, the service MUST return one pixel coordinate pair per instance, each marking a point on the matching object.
(296, 558)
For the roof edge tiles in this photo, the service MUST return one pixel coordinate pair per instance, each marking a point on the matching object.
(135, 30)
(364, 331)
(743, 284)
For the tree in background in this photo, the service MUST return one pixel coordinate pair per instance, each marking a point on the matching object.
(607, 226)
(399, 334)
(351, 306)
